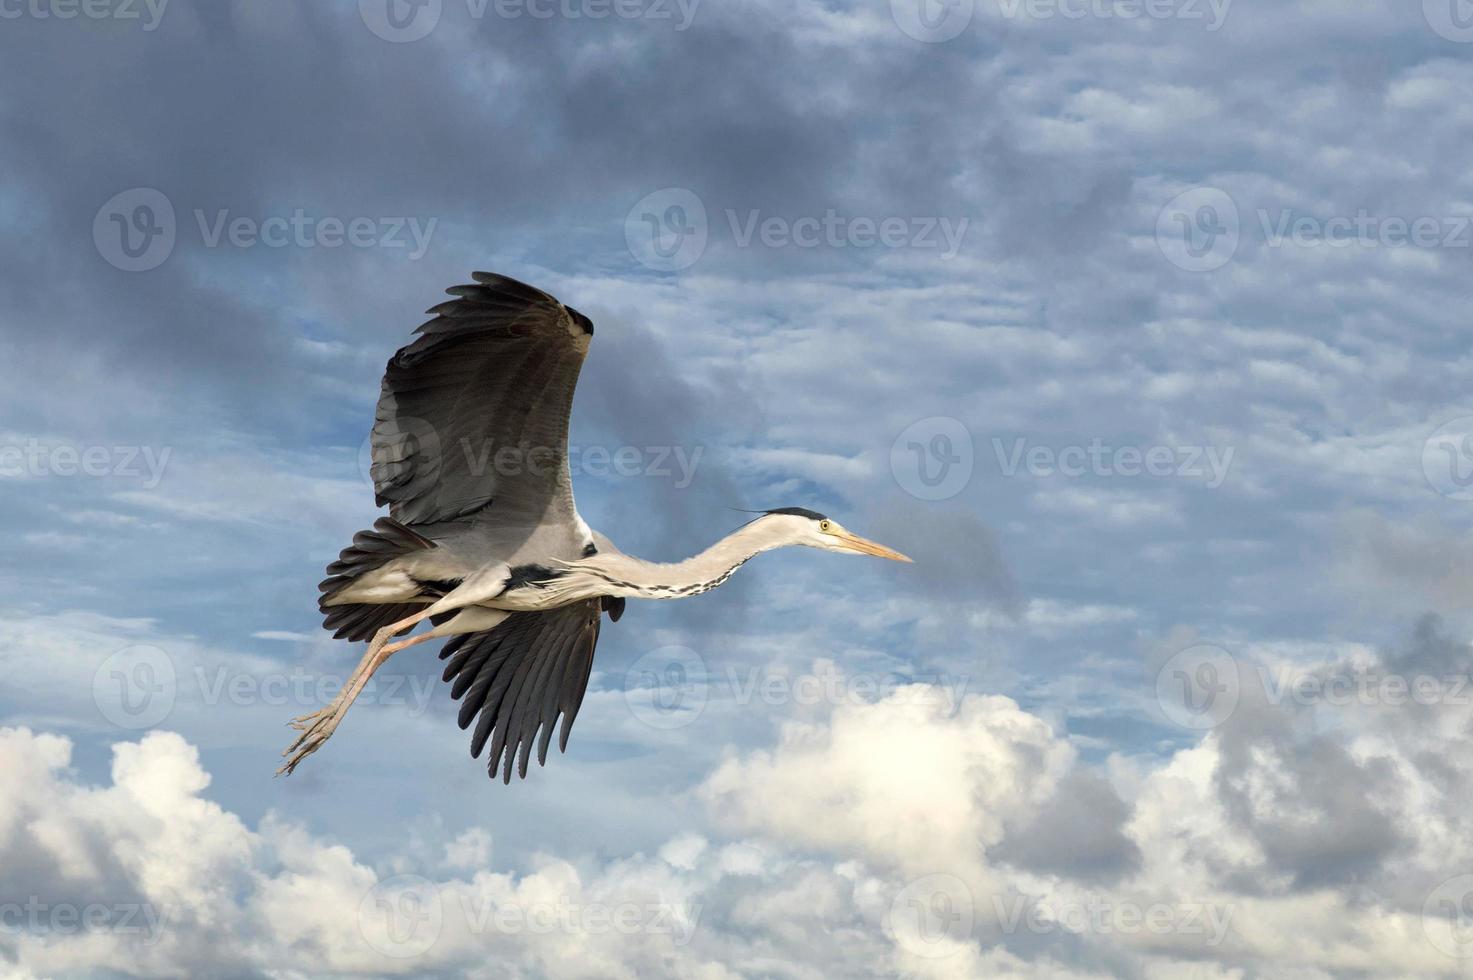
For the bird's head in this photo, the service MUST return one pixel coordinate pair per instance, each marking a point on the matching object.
(798, 525)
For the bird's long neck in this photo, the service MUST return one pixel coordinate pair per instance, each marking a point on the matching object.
(626, 575)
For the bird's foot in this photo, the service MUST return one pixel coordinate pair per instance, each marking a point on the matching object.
(304, 722)
(316, 729)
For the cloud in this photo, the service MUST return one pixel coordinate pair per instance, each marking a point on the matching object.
(1062, 319)
(1403, 566)
(1077, 832)
(813, 853)
(896, 782)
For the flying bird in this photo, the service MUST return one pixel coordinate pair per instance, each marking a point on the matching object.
(470, 453)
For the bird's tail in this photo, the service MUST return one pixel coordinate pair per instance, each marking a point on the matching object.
(369, 551)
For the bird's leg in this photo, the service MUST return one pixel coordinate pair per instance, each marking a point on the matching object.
(394, 648)
(317, 728)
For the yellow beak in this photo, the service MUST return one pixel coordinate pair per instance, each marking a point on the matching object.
(865, 546)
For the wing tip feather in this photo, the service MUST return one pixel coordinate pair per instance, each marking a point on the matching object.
(531, 673)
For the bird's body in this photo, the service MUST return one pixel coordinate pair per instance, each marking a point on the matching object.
(484, 539)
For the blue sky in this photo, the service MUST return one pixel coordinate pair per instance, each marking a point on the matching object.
(1141, 326)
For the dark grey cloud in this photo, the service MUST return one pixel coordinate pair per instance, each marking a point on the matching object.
(1077, 833)
(1322, 816)
(1431, 650)
(957, 557)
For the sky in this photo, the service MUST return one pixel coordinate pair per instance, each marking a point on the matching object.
(1140, 324)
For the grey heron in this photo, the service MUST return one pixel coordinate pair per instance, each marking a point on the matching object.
(496, 557)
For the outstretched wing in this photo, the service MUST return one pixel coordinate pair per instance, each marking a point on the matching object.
(520, 676)
(476, 409)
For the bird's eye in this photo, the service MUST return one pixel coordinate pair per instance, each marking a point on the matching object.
(823, 525)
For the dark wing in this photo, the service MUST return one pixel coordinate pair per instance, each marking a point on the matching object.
(476, 409)
(520, 676)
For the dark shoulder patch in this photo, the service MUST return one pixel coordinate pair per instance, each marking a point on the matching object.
(441, 587)
(522, 576)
